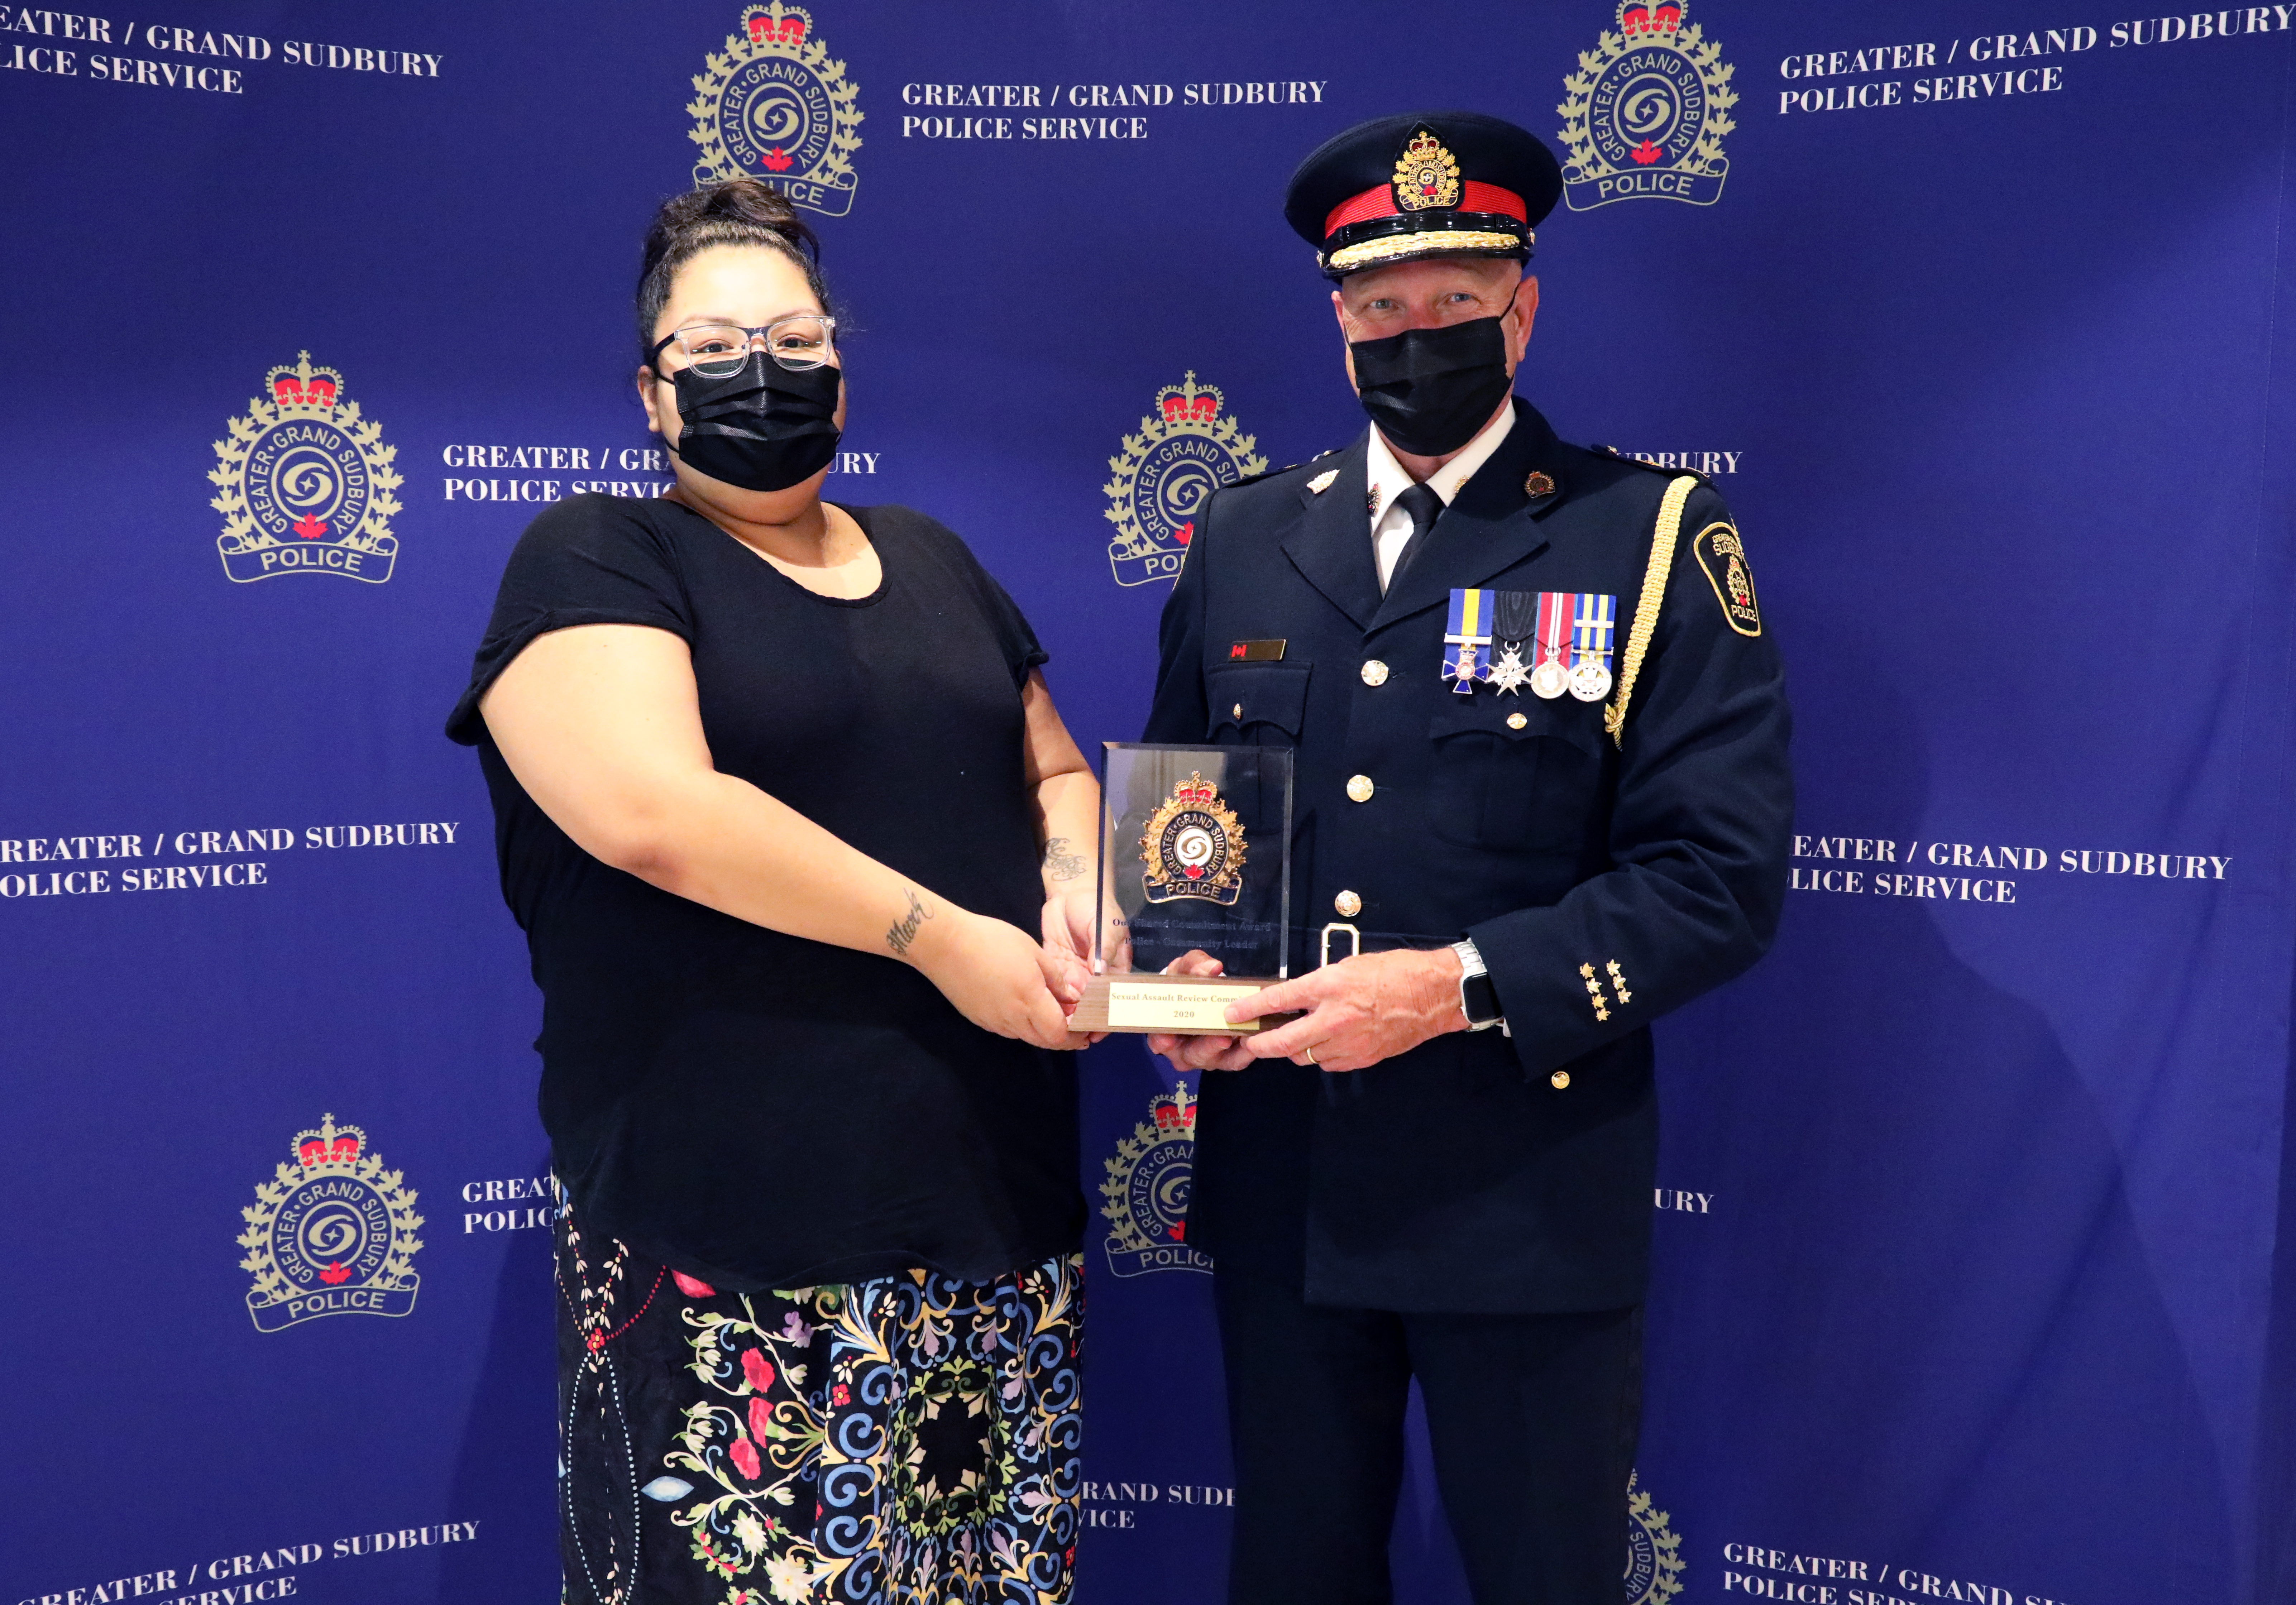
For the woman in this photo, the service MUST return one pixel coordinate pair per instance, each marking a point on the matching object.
(772, 781)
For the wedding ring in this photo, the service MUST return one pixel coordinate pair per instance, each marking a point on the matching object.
(1310, 1052)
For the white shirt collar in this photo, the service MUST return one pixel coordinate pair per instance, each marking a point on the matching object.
(1391, 529)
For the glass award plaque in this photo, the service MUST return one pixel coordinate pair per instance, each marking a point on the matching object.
(1195, 852)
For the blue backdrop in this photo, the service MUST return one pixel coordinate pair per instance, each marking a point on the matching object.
(1969, 1285)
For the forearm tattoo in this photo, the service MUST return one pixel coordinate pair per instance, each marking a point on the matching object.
(904, 931)
(1059, 862)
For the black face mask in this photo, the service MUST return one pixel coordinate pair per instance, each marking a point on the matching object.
(761, 427)
(1430, 390)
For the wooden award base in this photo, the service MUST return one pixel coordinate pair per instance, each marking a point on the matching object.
(1182, 1005)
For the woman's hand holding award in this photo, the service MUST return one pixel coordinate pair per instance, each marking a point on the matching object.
(1195, 855)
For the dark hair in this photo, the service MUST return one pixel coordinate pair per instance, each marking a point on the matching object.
(741, 211)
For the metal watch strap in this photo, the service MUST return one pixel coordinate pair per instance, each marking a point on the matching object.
(1471, 968)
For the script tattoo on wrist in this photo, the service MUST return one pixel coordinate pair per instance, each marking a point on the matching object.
(904, 931)
(1059, 862)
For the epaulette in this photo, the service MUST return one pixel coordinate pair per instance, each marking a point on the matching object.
(1616, 456)
(1270, 473)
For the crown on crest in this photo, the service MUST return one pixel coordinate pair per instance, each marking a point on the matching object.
(1189, 402)
(1176, 1110)
(777, 24)
(303, 385)
(329, 1144)
(1197, 790)
(1642, 21)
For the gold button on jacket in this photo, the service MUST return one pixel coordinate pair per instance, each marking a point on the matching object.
(1374, 672)
(1349, 904)
(1359, 788)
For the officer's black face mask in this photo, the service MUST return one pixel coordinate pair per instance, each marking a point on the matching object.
(761, 427)
(1429, 390)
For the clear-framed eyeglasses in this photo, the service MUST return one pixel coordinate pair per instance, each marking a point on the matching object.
(802, 340)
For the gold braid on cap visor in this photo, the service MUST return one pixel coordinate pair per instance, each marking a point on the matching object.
(1419, 242)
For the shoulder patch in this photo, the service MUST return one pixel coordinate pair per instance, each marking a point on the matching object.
(1723, 558)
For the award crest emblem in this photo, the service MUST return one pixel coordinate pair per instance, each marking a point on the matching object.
(1646, 113)
(305, 483)
(330, 1234)
(1426, 175)
(772, 105)
(1723, 556)
(1655, 1563)
(1185, 449)
(1193, 847)
(1147, 1192)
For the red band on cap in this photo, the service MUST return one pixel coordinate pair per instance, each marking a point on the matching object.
(1381, 204)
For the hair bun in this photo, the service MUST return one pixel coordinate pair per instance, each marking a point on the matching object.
(738, 211)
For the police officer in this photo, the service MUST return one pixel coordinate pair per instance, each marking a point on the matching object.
(1542, 799)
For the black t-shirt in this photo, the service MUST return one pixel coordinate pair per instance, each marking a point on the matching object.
(754, 1107)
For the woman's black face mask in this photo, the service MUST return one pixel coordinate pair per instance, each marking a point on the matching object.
(1431, 390)
(761, 427)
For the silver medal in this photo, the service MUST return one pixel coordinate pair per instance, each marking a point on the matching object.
(1590, 682)
(1550, 679)
(1508, 674)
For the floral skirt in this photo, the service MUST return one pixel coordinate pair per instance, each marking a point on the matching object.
(908, 1440)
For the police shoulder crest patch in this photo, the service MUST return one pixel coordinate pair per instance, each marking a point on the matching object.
(305, 483)
(773, 105)
(330, 1234)
(1723, 558)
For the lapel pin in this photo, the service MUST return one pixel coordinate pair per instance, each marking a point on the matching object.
(1322, 482)
(1538, 484)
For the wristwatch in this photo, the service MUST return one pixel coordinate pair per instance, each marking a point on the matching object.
(1478, 1000)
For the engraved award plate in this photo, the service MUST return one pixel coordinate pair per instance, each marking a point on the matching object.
(1196, 853)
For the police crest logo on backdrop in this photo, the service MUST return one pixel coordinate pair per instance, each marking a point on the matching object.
(332, 1234)
(1147, 1192)
(305, 483)
(1186, 448)
(773, 105)
(1655, 1563)
(1646, 113)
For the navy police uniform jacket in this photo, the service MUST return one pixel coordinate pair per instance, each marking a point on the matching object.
(1604, 883)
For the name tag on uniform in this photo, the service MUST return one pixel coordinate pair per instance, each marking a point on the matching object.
(1255, 652)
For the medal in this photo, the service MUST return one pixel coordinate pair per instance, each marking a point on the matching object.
(1515, 620)
(1508, 675)
(1465, 639)
(1590, 682)
(1592, 620)
(1551, 677)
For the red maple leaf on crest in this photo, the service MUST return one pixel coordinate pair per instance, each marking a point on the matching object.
(776, 161)
(1646, 153)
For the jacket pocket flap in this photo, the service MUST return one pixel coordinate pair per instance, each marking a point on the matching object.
(1576, 723)
(1259, 693)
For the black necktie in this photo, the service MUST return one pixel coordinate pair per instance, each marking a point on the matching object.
(1424, 507)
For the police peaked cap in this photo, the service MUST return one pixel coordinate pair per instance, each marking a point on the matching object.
(1429, 184)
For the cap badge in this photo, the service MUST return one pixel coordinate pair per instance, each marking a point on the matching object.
(1426, 175)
